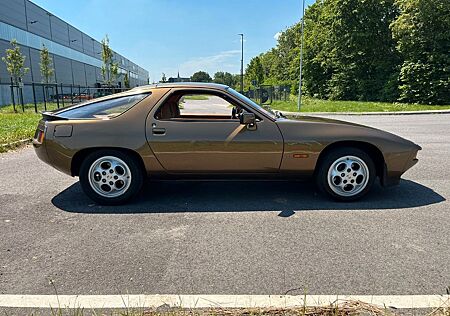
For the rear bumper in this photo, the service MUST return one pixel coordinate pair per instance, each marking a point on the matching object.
(41, 151)
(48, 154)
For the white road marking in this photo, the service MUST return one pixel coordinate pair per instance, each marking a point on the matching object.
(205, 301)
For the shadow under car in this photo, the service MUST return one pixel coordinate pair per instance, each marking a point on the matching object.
(287, 197)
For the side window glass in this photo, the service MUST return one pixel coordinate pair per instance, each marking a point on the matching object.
(193, 105)
(204, 105)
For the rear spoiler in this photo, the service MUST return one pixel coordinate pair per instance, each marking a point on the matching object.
(50, 116)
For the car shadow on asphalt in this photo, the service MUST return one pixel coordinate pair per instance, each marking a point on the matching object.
(287, 197)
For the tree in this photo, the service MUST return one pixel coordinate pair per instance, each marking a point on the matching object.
(15, 63)
(110, 68)
(287, 62)
(268, 62)
(422, 32)
(236, 81)
(349, 50)
(317, 65)
(254, 73)
(163, 78)
(126, 80)
(201, 76)
(46, 65)
(224, 78)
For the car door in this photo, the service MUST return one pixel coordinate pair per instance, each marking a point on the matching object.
(203, 138)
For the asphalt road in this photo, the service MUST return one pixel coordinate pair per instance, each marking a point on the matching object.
(231, 237)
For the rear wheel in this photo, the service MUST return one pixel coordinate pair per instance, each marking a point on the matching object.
(346, 174)
(110, 177)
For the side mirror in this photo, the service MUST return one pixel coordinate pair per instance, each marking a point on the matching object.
(247, 118)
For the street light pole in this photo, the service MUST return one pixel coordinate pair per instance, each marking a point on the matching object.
(301, 59)
(242, 62)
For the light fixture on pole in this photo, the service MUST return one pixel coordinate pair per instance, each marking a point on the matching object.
(301, 59)
(242, 62)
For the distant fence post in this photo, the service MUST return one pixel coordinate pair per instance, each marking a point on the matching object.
(34, 97)
(62, 94)
(57, 95)
(45, 99)
(12, 95)
(21, 96)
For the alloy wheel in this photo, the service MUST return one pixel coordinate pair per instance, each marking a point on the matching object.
(109, 176)
(348, 176)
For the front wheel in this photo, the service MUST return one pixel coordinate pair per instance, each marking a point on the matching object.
(110, 177)
(346, 174)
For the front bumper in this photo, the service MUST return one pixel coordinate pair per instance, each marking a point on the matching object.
(391, 177)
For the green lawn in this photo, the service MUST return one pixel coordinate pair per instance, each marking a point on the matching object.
(316, 105)
(16, 126)
(20, 125)
(196, 97)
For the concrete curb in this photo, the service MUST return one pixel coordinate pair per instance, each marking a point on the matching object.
(368, 113)
(214, 301)
(16, 143)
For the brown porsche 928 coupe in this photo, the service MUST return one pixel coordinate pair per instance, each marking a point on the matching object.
(209, 130)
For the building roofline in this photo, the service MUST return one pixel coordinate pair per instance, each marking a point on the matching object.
(79, 30)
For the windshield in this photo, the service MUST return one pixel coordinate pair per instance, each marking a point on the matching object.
(266, 110)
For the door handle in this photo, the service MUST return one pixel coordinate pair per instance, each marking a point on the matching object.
(158, 131)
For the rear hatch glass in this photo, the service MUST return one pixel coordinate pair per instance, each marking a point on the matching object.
(105, 109)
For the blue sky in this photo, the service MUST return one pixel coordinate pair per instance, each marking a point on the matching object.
(171, 35)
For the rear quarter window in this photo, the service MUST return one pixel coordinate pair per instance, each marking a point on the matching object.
(106, 109)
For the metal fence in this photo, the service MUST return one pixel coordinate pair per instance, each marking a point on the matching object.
(266, 94)
(40, 96)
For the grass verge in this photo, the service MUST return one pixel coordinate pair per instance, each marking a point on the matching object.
(316, 105)
(196, 97)
(17, 126)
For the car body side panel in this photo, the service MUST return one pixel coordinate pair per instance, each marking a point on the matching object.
(306, 138)
(215, 145)
(125, 131)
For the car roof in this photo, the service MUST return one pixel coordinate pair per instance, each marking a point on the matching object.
(206, 85)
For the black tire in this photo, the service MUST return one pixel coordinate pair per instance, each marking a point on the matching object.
(134, 186)
(326, 163)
